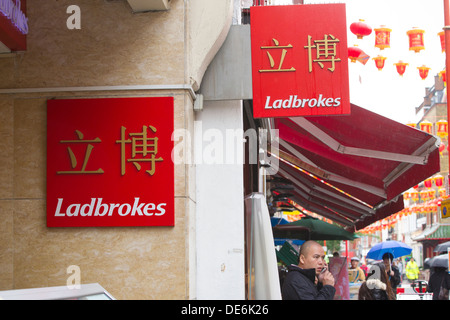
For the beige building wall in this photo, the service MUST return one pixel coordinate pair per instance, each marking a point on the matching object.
(151, 54)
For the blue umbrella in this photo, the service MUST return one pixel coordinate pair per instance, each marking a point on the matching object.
(279, 241)
(278, 221)
(396, 248)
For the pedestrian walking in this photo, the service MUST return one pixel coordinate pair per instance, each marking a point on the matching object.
(412, 270)
(377, 285)
(400, 268)
(439, 283)
(392, 271)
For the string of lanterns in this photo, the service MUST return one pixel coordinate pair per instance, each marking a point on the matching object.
(383, 41)
(441, 131)
(425, 199)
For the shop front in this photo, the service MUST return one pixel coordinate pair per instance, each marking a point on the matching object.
(90, 118)
(135, 155)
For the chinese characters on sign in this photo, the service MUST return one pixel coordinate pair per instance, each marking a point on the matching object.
(148, 146)
(283, 55)
(299, 60)
(325, 52)
(116, 171)
(73, 159)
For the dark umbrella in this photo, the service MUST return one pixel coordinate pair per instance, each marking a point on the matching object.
(439, 261)
(442, 247)
(312, 229)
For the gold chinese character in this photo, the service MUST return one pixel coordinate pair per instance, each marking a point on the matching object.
(140, 145)
(325, 51)
(73, 159)
(271, 60)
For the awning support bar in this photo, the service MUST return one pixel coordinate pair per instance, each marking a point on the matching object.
(338, 147)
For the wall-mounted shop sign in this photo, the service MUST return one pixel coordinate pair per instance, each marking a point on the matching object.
(13, 24)
(445, 209)
(299, 60)
(109, 162)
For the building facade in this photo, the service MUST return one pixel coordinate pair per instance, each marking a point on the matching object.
(120, 49)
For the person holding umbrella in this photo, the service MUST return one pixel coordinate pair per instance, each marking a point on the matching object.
(392, 271)
(439, 283)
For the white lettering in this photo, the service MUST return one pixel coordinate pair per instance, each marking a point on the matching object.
(58, 208)
(337, 102)
(287, 103)
(90, 207)
(295, 102)
(111, 208)
(312, 103)
(74, 21)
(267, 103)
(149, 206)
(121, 213)
(75, 206)
(98, 209)
(137, 208)
(329, 102)
(99, 206)
(277, 104)
(161, 210)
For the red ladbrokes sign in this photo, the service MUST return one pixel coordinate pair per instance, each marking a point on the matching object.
(109, 162)
(299, 60)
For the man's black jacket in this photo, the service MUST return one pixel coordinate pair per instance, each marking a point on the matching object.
(299, 285)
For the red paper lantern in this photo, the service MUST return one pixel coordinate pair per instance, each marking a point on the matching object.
(382, 38)
(416, 39)
(439, 180)
(360, 29)
(424, 195)
(442, 38)
(431, 193)
(379, 62)
(353, 53)
(401, 67)
(426, 126)
(423, 72)
(428, 182)
(441, 148)
(442, 128)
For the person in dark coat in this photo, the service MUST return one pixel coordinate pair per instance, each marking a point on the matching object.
(310, 280)
(377, 285)
(439, 278)
(392, 271)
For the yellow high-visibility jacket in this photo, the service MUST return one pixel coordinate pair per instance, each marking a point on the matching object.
(412, 270)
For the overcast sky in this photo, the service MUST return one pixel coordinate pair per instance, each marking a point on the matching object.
(385, 92)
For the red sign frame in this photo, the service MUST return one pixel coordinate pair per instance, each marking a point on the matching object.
(299, 60)
(109, 162)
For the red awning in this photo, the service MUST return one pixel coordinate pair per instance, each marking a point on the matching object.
(363, 155)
